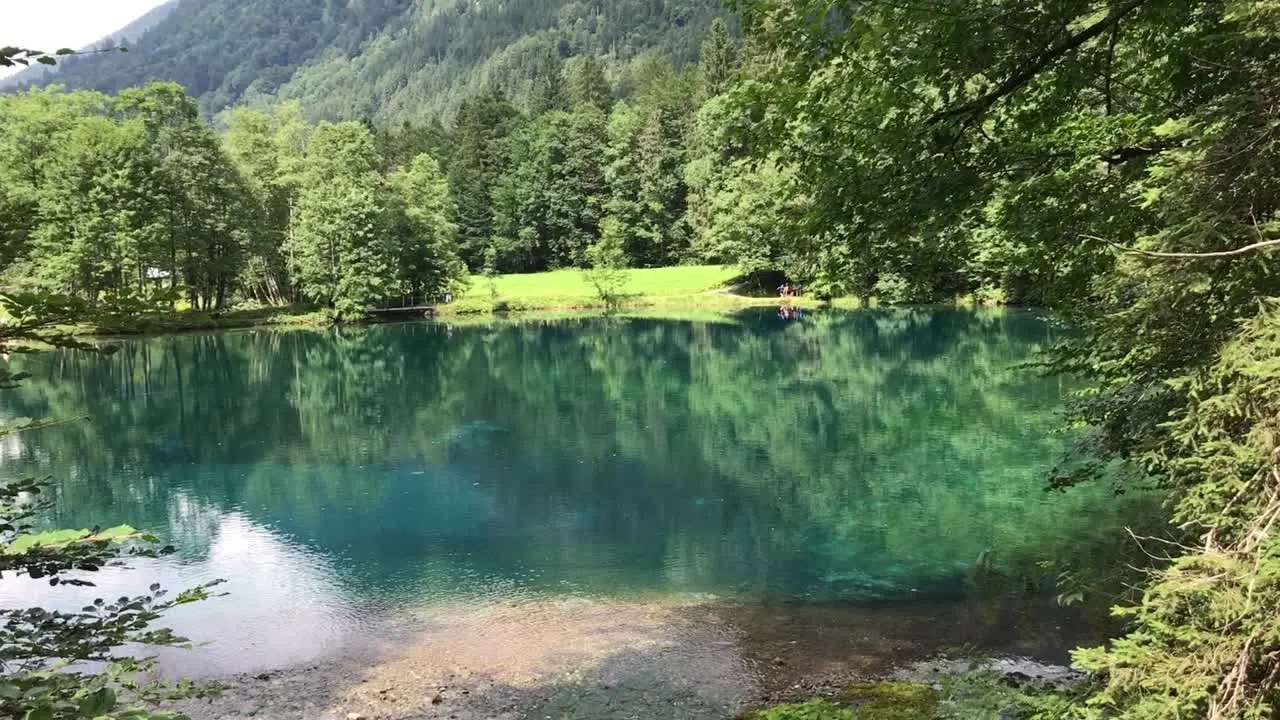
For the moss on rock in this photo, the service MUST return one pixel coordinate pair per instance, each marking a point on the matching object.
(870, 701)
(891, 701)
(812, 710)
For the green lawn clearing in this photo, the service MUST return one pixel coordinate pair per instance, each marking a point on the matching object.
(701, 291)
(687, 286)
(661, 282)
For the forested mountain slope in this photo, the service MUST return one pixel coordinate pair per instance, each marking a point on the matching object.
(387, 60)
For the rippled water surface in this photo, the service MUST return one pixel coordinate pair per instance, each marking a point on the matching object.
(870, 458)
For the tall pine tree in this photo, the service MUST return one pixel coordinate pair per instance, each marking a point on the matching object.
(588, 85)
(483, 125)
(719, 60)
(549, 91)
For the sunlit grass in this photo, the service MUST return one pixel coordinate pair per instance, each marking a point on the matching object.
(702, 291)
(573, 284)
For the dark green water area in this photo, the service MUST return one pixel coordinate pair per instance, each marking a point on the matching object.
(848, 461)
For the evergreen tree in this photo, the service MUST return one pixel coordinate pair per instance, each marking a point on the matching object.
(588, 85)
(549, 91)
(623, 210)
(520, 217)
(516, 245)
(661, 232)
(645, 176)
(719, 61)
(586, 190)
(483, 125)
(399, 146)
(533, 200)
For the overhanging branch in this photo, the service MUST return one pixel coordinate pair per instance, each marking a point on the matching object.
(1046, 58)
(1220, 255)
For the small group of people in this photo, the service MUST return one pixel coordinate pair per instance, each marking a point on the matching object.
(786, 291)
(790, 290)
(787, 312)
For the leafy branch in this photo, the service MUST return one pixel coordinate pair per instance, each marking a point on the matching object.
(14, 56)
(1041, 62)
(1218, 255)
(43, 653)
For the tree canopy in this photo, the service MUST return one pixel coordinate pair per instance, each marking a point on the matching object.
(136, 198)
(1117, 163)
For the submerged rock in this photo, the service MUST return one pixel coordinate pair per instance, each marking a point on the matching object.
(1013, 671)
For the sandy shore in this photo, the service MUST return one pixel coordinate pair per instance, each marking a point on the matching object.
(596, 659)
(559, 659)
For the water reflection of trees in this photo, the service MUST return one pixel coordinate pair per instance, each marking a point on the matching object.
(853, 455)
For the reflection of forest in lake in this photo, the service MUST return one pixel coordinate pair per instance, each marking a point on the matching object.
(873, 455)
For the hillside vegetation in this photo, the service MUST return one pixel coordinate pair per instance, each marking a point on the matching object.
(387, 60)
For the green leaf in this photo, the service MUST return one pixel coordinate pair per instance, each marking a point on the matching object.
(98, 703)
(119, 532)
(62, 538)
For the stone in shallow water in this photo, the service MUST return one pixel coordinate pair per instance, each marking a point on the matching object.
(1016, 671)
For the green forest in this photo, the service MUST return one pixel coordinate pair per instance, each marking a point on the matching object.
(137, 196)
(1115, 163)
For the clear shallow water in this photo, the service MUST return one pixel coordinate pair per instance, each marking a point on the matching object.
(872, 457)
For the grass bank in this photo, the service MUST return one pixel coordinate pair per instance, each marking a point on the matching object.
(195, 320)
(691, 287)
(696, 290)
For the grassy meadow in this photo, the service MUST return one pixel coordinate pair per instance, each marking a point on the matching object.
(687, 286)
(701, 290)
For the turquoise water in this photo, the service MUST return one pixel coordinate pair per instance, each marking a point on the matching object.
(871, 457)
